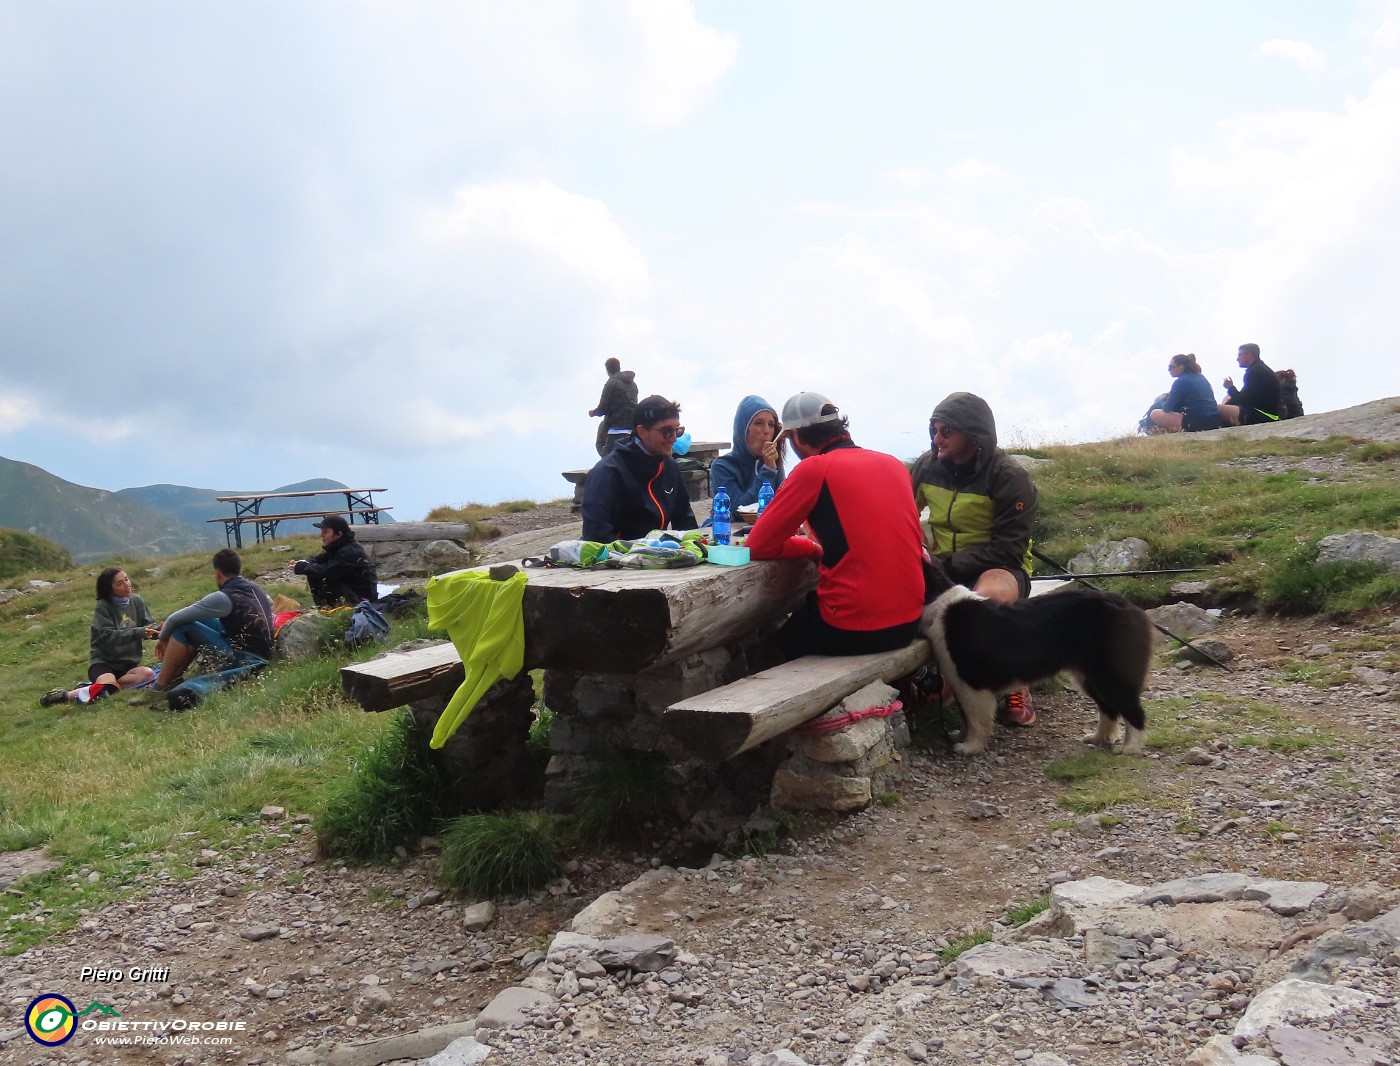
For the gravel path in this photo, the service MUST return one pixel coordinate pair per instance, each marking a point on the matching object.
(817, 947)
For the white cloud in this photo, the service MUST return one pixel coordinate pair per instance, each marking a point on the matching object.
(677, 61)
(1307, 58)
(17, 409)
(971, 170)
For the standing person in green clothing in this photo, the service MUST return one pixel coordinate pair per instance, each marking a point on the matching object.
(615, 407)
(981, 507)
(120, 621)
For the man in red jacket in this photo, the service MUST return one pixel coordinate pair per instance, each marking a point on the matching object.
(860, 526)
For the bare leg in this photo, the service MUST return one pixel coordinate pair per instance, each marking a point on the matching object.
(1229, 413)
(1167, 420)
(999, 585)
(176, 661)
(137, 675)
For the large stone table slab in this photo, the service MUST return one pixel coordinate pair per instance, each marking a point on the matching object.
(607, 622)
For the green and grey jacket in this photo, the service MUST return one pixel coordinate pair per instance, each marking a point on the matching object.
(980, 515)
(117, 631)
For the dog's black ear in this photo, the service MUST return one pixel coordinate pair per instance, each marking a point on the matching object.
(936, 579)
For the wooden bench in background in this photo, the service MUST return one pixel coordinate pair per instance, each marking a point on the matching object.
(698, 486)
(265, 525)
(247, 509)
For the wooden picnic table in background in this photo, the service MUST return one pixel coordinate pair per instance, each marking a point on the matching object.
(247, 508)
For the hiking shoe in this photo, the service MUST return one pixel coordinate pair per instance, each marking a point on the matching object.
(1019, 711)
(152, 696)
(927, 686)
(53, 697)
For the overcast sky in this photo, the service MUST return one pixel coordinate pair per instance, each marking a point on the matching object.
(248, 243)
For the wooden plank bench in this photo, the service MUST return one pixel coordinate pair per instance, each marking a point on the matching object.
(706, 451)
(723, 722)
(402, 677)
(715, 725)
(576, 478)
(265, 525)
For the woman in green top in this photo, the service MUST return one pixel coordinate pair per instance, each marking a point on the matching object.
(120, 621)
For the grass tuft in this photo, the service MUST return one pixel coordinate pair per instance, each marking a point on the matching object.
(1021, 914)
(618, 791)
(500, 854)
(964, 943)
(390, 800)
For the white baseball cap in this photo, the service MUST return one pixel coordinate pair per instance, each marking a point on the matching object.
(808, 409)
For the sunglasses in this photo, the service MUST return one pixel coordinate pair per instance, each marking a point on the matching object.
(668, 432)
(942, 431)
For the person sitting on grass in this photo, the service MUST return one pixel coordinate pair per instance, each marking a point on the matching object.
(234, 624)
(342, 573)
(120, 621)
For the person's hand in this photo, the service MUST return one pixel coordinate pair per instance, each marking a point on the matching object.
(300, 567)
(1230, 383)
(160, 649)
(770, 455)
(152, 632)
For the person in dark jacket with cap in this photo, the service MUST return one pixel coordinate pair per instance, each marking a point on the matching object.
(342, 573)
(981, 507)
(637, 487)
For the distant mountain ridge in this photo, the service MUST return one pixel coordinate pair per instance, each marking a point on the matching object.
(95, 524)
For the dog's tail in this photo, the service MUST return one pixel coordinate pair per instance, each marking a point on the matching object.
(1127, 657)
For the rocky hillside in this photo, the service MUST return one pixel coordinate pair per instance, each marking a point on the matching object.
(91, 523)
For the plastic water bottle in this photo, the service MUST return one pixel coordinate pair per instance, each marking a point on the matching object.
(719, 516)
(764, 495)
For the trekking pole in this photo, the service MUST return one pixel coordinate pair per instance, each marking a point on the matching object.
(1160, 628)
(1126, 573)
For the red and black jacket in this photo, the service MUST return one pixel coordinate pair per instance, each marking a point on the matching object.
(870, 548)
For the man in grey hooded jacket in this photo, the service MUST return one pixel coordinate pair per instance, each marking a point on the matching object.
(981, 507)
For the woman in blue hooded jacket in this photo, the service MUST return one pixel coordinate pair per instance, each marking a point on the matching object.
(756, 456)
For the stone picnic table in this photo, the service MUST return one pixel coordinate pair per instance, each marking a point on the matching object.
(608, 622)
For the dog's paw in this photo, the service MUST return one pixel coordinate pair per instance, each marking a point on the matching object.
(967, 748)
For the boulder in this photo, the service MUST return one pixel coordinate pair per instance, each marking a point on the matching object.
(1356, 546)
(1109, 556)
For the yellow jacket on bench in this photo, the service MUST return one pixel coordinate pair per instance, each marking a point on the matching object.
(486, 622)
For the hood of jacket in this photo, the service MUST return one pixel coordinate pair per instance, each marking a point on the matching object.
(969, 413)
(625, 375)
(748, 409)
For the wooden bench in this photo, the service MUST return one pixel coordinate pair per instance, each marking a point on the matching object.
(723, 722)
(576, 478)
(714, 725)
(402, 677)
(265, 525)
(705, 451)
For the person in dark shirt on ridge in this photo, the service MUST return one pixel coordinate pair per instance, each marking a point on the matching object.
(1257, 400)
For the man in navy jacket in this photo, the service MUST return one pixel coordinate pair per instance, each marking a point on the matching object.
(637, 487)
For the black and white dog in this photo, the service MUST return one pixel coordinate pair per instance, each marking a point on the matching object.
(986, 648)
